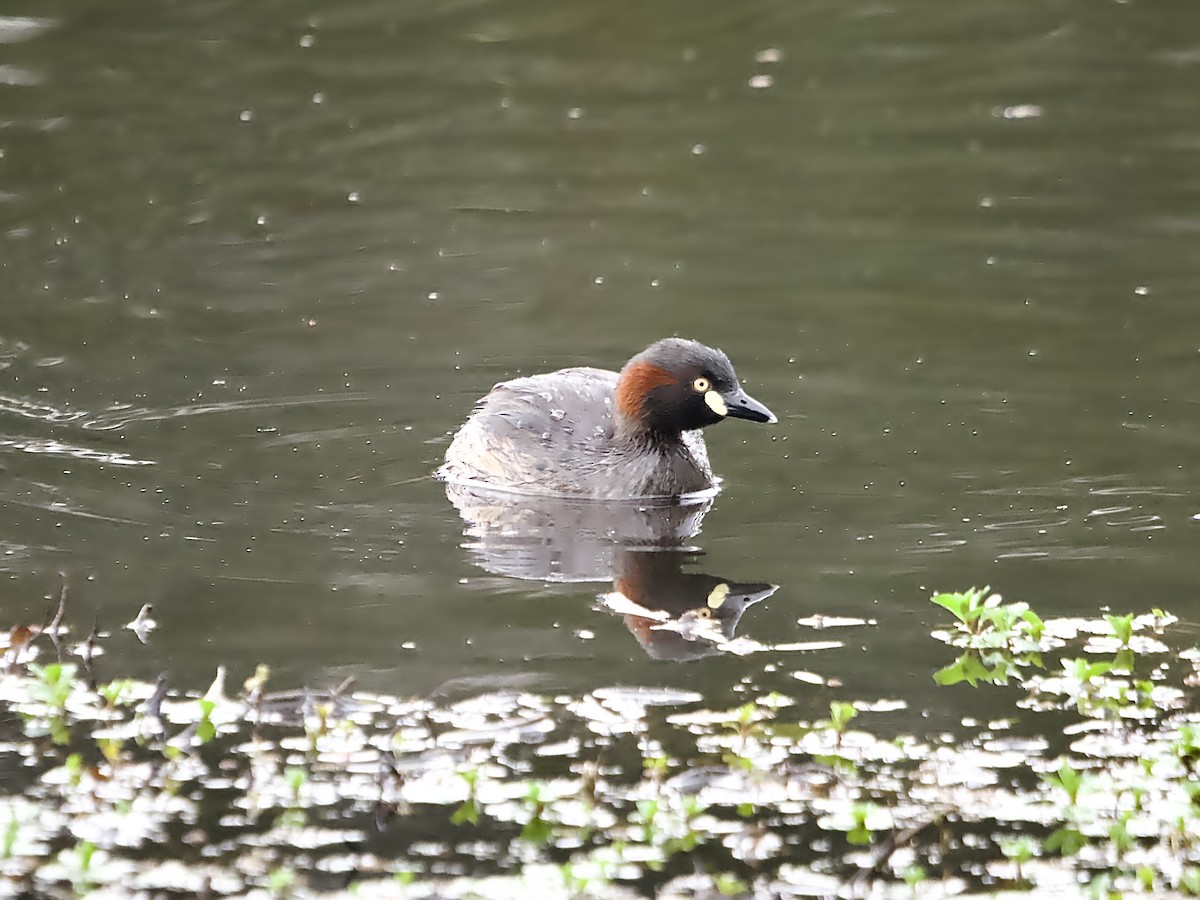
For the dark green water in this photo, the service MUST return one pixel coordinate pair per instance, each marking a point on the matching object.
(259, 259)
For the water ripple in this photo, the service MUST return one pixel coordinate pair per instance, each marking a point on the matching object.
(1150, 490)
(120, 415)
(1050, 522)
(15, 76)
(63, 508)
(28, 409)
(49, 447)
(117, 419)
(22, 28)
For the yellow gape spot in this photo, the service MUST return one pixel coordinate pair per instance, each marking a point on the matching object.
(716, 403)
(717, 596)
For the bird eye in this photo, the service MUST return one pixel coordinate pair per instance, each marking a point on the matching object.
(701, 385)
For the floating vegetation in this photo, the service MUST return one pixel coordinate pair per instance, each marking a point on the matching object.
(125, 787)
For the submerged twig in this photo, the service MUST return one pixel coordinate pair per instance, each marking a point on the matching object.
(895, 841)
(153, 707)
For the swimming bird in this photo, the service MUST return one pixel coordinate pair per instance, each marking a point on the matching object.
(587, 432)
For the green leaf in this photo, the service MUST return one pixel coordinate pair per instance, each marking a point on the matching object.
(737, 761)
(60, 732)
(10, 834)
(966, 668)
(1085, 670)
(1020, 849)
(1068, 778)
(537, 831)
(1120, 836)
(963, 606)
(654, 764)
(729, 885)
(1036, 626)
(1122, 627)
(1067, 841)
(837, 762)
(110, 748)
(85, 850)
(115, 690)
(952, 674)
(840, 714)
(859, 835)
(74, 766)
(468, 812)
(685, 844)
(54, 683)
(280, 880)
(206, 731)
(788, 731)
(1189, 881)
(295, 777)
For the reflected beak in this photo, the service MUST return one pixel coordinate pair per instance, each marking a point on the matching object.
(741, 405)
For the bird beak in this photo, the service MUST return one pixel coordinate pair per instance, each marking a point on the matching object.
(741, 405)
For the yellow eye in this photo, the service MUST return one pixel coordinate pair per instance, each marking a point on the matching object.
(701, 385)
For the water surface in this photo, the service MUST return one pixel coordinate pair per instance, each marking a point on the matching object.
(260, 260)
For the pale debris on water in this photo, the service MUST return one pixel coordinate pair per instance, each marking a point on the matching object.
(1018, 111)
(821, 621)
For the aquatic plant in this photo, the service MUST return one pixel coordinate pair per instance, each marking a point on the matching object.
(621, 791)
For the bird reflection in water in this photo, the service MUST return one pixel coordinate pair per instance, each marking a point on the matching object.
(641, 548)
